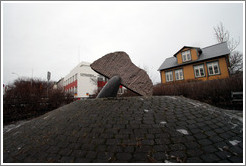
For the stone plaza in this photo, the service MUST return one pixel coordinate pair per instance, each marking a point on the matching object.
(157, 129)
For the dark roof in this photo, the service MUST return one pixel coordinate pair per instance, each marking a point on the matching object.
(209, 52)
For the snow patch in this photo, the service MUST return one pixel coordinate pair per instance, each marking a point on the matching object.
(166, 161)
(234, 142)
(162, 123)
(46, 117)
(146, 111)
(195, 104)
(171, 97)
(220, 149)
(13, 126)
(183, 131)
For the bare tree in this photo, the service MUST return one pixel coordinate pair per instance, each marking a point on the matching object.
(235, 58)
(236, 62)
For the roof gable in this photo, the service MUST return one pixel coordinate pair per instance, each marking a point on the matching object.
(184, 48)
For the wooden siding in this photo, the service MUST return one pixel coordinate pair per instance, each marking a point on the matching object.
(188, 70)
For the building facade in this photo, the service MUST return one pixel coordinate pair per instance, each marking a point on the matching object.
(194, 63)
(83, 82)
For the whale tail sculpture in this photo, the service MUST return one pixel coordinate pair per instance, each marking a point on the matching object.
(120, 70)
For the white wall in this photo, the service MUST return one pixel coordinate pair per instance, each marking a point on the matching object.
(84, 82)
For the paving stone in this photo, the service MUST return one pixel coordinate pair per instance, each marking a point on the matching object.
(194, 160)
(54, 158)
(82, 160)
(140, 156)
(144, 148)
(179, 154)
(236, 159)
(224, 161)
(223, 154)
(67, 159)
(192, 145)
(209, 158)
(159, 156)
(175, 147)
(216, 139)
(119, 131)
(128, 149)
(160, 148)
(194, 152)
(210, 133)
(205, 142)
(101, 148)
(91, 154)
(123, 156)
(200, 136)
(78, 153)
(148, 142)
(237, 150)
(209, 149)
(225, 136)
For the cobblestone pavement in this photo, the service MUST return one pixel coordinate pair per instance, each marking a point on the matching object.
(136, 129)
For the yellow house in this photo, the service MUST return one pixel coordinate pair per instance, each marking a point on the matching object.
(194, 63)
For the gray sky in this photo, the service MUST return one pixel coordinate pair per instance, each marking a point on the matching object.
(55, 37)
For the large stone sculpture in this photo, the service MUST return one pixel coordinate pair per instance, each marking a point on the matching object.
(119, 64)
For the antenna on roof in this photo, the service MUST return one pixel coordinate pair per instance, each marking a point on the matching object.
(79, 53)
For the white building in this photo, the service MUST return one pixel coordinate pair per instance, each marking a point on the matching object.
(82, 81)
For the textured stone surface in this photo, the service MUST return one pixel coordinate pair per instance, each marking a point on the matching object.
(132, 77)
(113, 130)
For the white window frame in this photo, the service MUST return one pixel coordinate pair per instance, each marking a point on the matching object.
(186, 56)
(169, 76)
(199, 67)
(213, 65)
(179, 75)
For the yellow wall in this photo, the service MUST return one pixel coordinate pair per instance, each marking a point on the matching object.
(188, 71)
(193, 52)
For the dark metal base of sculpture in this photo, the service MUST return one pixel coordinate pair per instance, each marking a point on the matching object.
(111, 88)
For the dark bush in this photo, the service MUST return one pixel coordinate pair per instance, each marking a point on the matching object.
(27, 98)
(215, 92)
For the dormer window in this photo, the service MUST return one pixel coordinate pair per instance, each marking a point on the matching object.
(186, 56)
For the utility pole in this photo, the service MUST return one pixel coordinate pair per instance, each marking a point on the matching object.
(48, 78)
(32, 77)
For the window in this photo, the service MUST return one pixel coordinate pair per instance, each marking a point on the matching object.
(169, 76)
(100, 78)
(199, 71)
(179, 74)
(186, 56)
(120, 91)
(76, 76)
(213, 68)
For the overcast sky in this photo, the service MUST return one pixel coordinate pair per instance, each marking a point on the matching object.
(55, 37)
